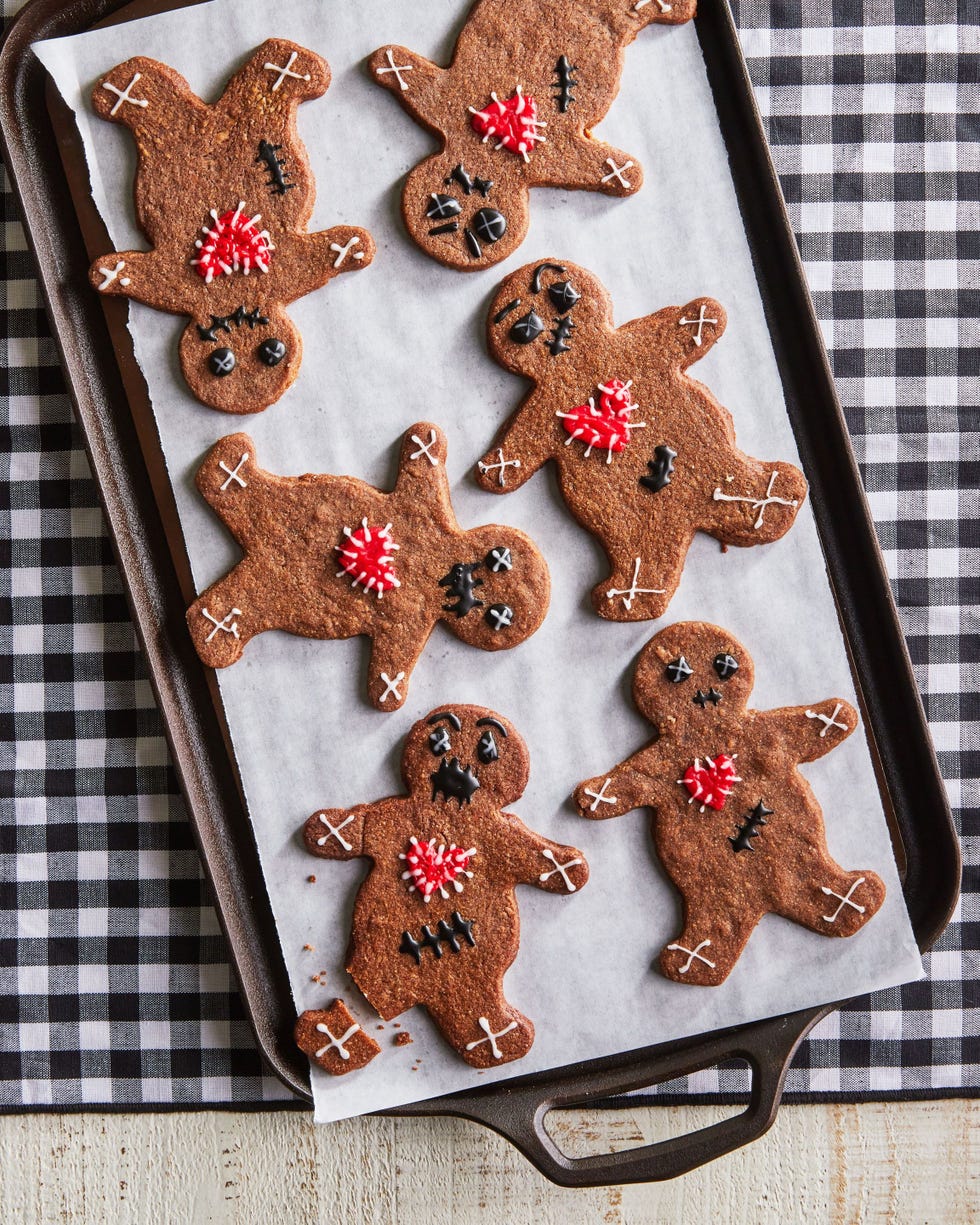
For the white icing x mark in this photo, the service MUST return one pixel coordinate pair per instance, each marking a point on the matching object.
(345, 250)
(111, 274)
(333, 831)
(692, 954)
(123, 95)
(600, 797)
(828, 721)
(698, 323)
(285, 71)
(500, 467)
(227, 626)
(617, 172)
(844, 900)
(397, 69)
(491, 1037)
(502, 616)
(392, 686)
(631, 592)
(233, 472)
(425, 448)
(758, 504)
(561, 868)
(661, 4)
(336, 1043)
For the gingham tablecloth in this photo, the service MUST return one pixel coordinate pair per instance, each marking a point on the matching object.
(114, 984)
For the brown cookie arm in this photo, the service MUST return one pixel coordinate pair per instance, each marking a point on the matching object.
(134, 274)
(591, 165)
(416, 82)
(277, 77)
(643, 13)
(811, 731)
(336, 833)
(230, 613)
(549, 865)
(231, 481)
(633, 784)
(315, 259)
(519, 450)
(148, 97)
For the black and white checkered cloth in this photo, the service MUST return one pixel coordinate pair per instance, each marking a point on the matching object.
(114, 984)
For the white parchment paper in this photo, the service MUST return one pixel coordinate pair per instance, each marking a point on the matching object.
(402, 341)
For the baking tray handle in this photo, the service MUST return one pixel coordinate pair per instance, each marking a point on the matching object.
(518, 1111)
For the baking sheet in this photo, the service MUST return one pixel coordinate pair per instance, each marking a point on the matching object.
(403, 341)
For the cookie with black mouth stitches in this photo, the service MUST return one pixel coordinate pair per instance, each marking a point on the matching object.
(331, 557)
(435, 920)
(734, 823)
(516, 108)
(646, 456)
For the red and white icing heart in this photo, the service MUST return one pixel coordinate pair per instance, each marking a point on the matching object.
(430, 867)
(605, 425)
(710, 784)
(232, 243)
(513, 123)
(367, 556)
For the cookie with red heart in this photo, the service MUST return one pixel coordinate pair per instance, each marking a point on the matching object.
(646, 456)
(435, 920)
(330, 557)
(735, 825)
(516, 108)
(228, 237)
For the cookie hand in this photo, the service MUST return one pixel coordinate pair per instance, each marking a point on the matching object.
(335, 833)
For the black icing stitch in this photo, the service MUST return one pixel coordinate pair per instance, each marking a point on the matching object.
(565, 84)
(454, 782)
(751, 829)
(469, 183)
(561, 333)
(461, 584)
(276, 167)
(445, 933)
(702, 699)
(661, 469)
(222, 323)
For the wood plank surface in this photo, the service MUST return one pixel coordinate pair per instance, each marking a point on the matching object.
(908, 1162)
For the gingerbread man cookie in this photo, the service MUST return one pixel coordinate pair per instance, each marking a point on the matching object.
(529, 79)
(331, 557)
(735, 824)
(436, 920)
(224, 194)
(646, 456)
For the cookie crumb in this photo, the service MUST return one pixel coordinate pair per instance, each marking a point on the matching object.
(308, 948)
(403, 1039)
(311, 879)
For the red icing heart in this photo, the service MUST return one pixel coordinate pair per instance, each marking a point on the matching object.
(233, 243)
(606, 425)
(711, 783)
(431, 867)
(366, 554)
(514, 123)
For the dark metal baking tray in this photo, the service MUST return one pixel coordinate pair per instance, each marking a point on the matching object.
(111, 404)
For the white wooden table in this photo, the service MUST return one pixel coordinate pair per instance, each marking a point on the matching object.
(913, 1162)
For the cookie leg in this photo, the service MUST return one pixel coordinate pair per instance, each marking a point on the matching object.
(706, 950)
(634, 591)
(486, 1037)
(394, 654)
(833, 902)
(595, 166)
(752, 502)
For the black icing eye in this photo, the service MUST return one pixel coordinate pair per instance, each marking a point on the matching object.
(439, 741)
(563, 295)
(486, 748)
(221, 362)
(725, 666)
(499, 616)
(271, 351)
(489, 225)
(499, 559)
(441, 207)
(526, 329)
(678, 670)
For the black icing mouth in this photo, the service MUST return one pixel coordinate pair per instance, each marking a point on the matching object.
(561, 336)
(454, 782)
(702, 699)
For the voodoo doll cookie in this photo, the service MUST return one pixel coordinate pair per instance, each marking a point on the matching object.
(515, 110)
(646, 456)
(436, 920)
(734, 823)
(331, 557)
(224, 194)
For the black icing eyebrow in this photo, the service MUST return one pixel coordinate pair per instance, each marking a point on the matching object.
(536, 279)
(502, 314)
(493, 723)
(449, 717)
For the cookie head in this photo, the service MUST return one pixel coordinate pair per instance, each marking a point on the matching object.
(692, 673)
(542, 313)
(462, 218)
(465, 755)
(496, 589)
(243, 361)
